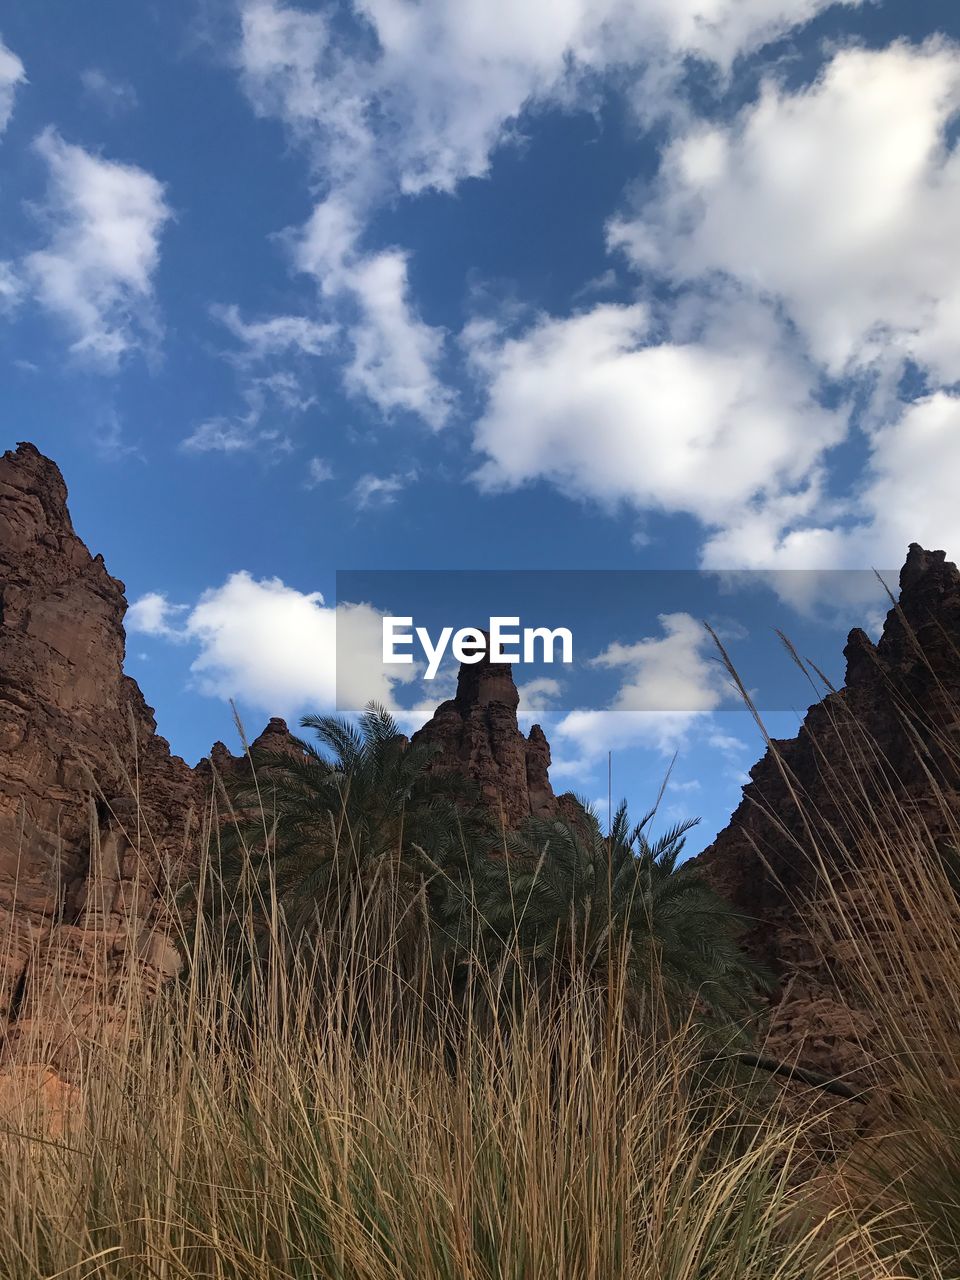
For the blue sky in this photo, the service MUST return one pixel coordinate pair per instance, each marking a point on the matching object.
(540, 284)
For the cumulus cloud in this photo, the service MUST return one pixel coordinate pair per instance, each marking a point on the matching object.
(264, 642)
(12, 75)
(425, 102)
(812, 239)
(831, 205)
(670, 682)
(104, 220)
(395, 353)
(401, 98)
(153, 614)
(274, 648)
(839, 198)
(824, 211)
(907, 493)
(837, 201)
(613, 413)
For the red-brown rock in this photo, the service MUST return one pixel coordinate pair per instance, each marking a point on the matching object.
(479, 736)
(863, 762)
(95, 813)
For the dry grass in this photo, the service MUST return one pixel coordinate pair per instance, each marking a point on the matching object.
(235, 1129)
(219, 1149)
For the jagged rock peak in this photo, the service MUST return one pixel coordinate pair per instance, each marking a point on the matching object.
(275, 736)
(483, 682)
(275, 728)
(917, 659)
(899, 693)
(479, 735)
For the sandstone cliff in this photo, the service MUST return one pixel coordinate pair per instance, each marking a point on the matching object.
(479, 736)
(80, 859)
(878, 753)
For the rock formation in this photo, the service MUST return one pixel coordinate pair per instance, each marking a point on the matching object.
(95, 813)
(875, 743)
(479, 736)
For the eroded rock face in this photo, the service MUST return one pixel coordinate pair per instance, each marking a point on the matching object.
(80, 859)
(479, 736)
(871, 745)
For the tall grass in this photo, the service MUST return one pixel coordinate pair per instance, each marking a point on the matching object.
(234, 1129)
(237, 1126)
(884, 914)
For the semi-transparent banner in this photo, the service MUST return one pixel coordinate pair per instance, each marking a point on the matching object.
(633, 642)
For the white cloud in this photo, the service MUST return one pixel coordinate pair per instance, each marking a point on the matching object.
(113, 95)
(672, 681)
(153, 614)
(270, 388)
(609, 412)
(911, 492)
(12, 75)
(291, 69)
(836, 203)
(425, 103)
(239, 435)
(278, 334)
(11, 286)
(409, 97)
(684, 788)
(265, 643)
(840, 198)
(318, 471)
(572, 767)
(536, 697)
(379, 491)
(395, 352)
(907, 493)
(274, 648)
(672, 672)
(96, 273)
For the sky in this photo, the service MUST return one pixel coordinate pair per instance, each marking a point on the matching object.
(298, 291)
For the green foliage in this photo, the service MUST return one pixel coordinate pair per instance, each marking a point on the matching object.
(334, 832)
(361, 841)
(561, 901)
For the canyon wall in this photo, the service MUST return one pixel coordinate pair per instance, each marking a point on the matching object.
(95, 812)
(879, 755)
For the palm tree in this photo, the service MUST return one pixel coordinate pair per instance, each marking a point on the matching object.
(563, 901)
(334, 837)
